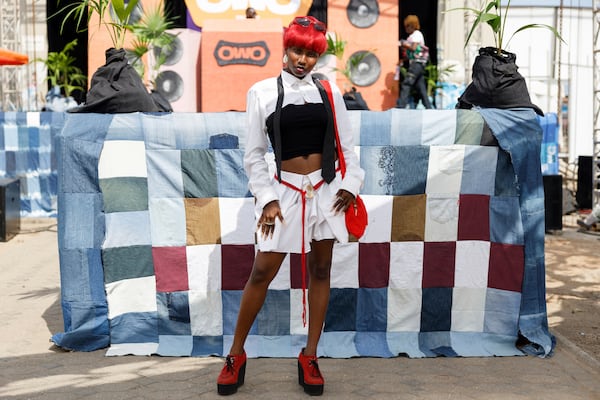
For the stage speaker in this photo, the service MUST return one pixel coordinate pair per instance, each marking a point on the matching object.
(553, 201)
(370, 29)
(178, 78)
(10, 209)
(583, 196)
(234, 55)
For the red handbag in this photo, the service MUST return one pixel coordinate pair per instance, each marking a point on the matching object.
(357, 217)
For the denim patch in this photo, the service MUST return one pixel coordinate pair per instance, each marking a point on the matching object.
(274, 316)
(342, 310)
(139, 327)
(436, 311)
(371, 306)
(195, 184)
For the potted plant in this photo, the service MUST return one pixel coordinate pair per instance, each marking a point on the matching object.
(115, 87)
(116, 25)
(151, 38)
(496, 82)
(64, 78)
(61, 71)
(335, 45)
(327, 65)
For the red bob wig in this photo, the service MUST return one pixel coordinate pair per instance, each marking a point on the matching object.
(307, 33)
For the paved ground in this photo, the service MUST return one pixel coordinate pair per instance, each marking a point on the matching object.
(31, 368)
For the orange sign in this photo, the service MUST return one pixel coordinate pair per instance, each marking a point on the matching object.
(286, 10)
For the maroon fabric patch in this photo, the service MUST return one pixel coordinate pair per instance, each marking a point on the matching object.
(373, 265)
(438, 264)
(296, 271)
(236, 265)
(507, 266)
(170, 268)
(474, 217)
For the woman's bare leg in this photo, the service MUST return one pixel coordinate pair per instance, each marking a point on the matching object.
(319, 271)
(264, 270)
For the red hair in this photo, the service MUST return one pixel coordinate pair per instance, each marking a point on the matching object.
(306, 37)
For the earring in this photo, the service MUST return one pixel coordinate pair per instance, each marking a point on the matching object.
(285, 58)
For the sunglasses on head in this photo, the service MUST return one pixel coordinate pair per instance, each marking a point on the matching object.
(305, 22)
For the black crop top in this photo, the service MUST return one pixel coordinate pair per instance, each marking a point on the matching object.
(302, 129)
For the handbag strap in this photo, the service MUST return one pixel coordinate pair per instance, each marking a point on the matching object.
(277, 127)
(325, 86)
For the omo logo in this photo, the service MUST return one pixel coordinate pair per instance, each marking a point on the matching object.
(228, 53)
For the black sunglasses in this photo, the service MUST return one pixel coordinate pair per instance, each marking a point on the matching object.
(305, 22)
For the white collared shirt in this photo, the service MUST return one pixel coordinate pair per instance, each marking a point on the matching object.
(261, 102)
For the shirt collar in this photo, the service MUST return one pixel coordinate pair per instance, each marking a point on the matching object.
(291, 80)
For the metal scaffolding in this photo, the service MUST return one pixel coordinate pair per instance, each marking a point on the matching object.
(23, 30)
(10, 76)
(596, 116)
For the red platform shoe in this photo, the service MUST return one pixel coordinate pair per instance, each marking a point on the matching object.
(309, 375)
(232, 374)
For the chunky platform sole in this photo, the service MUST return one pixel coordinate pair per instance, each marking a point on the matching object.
(226, 390)
(313, 390)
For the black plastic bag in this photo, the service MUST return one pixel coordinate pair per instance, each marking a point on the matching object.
(496, 83)
(117, 88)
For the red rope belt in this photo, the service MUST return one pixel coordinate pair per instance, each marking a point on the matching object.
(309, 192)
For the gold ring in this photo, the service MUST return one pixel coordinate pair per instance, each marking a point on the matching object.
(269, 223)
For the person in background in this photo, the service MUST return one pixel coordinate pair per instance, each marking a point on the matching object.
(301, 208)
(250, 13)
(591, 219)
(418, 55)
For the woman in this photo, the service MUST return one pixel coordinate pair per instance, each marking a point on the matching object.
(301, 208)
(418, 55)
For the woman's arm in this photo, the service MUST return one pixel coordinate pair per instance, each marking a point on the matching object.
(257, 169)
(355, 175)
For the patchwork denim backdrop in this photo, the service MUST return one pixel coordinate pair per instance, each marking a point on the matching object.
(440, 270)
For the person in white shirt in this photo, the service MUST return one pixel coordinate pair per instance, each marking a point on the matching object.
(592, 218)
(418, 55)
(300, 203)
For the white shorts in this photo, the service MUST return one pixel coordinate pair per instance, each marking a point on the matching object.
(320, 221)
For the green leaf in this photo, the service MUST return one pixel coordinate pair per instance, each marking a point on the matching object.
(492, 20)
(118, 7)
(534, 26)
(335, 46)
(492, 15)
(493, 4)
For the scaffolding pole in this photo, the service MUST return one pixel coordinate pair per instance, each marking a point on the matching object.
(596, 105)
(10, 76)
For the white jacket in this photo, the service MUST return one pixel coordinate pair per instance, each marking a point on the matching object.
(261, 101)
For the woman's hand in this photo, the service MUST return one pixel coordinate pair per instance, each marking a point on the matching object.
(343, 200)
(266, 222)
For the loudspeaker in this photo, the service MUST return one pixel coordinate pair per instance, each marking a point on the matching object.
(10, 209)
(370, 30)
(553, 201)
(178, 78)
(585, 183)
